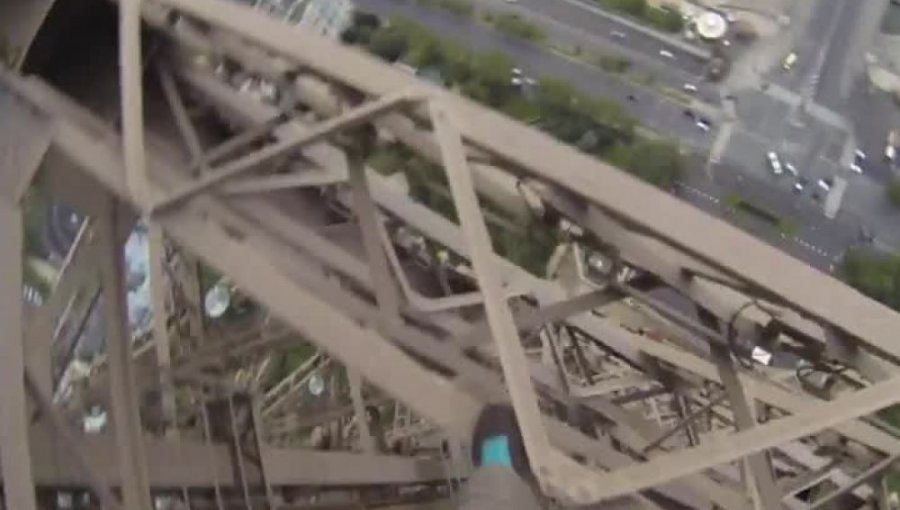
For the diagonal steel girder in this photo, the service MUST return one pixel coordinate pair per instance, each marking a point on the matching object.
(92, 151)
(500, 320)
(711, 241)
(725, 449)
(254, 160)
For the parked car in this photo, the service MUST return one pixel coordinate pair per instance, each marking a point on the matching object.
(774, 163)
(789, 61)
(690, 87)
(791, 168)
(667, 54)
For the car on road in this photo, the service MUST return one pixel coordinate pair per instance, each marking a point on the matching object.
(890, 153)
(791, 168)
(800, 184)
(667, 54)
(856, 168)
(825, 184)
(789, 61)
(689, 114)
(516, 71)
(618, 35)
(516, 80)
(859, 156)
(690, 87)
(774, 163)
(703, 125)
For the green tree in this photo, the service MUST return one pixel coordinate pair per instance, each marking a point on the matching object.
(515, 26)
(461, 8)
(361, 29)
(656, 162)
(389, 43)
(593, 125)
(664, 18)
(893, 193)
(489, 79)
(876, 276)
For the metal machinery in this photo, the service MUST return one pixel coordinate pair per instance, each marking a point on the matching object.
(665, 360)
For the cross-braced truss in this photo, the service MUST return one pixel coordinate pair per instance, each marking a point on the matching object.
(239, 149)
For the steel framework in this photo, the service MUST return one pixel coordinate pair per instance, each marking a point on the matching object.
(628, 363)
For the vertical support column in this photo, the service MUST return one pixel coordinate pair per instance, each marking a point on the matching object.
(125, 399)
(500, 320)
(359, 408)
(367, 218)
(683, 409)
(759, 466)
(15, 454)
(130, 78)
(161, 340)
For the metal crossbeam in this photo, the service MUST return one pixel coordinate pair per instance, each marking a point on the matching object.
(254, 160)
(15, 455)
(741, 444)
(351, 292)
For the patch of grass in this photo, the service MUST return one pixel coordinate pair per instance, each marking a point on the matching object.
(613, 63)
(731, 201)
(788, 227)
(514, 25)
(459, 8)
(666, 18)
(893, 193)
(647, 79)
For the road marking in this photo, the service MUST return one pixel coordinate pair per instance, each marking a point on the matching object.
(811, 247)
(699, 193)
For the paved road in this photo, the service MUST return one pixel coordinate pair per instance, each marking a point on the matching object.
(874, 114)
(649, 107)
(585, 16)
(812, 238)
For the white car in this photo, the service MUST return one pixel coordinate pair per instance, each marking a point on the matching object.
(791, 168)
(702, 126)
(667, 54)
(789, 61)
(890, 153)
(690, 87)
(516, 80)
(859, 155)
(618, 35)
(774, 163)
(855, 168)
(824, 185)
(516, 71)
